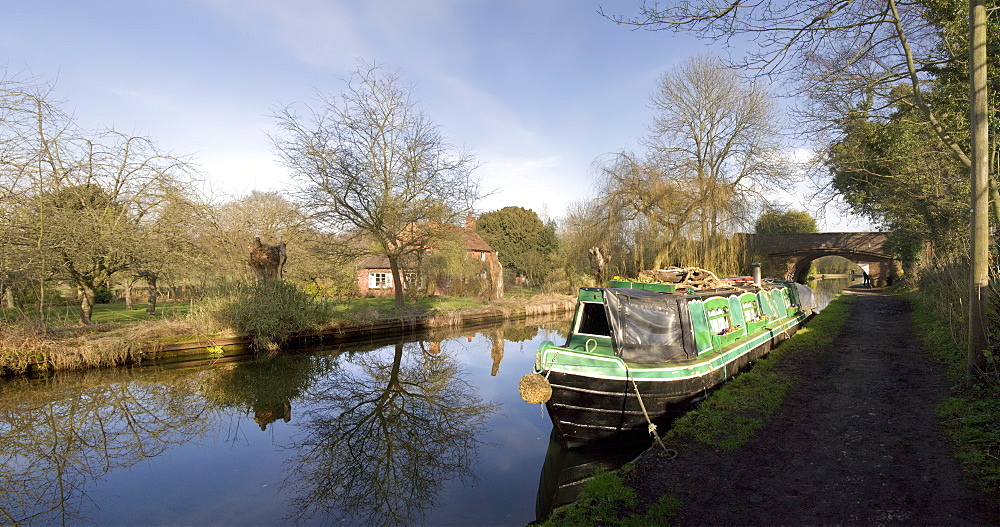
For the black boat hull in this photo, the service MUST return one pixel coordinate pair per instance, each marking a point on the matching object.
(585, 409)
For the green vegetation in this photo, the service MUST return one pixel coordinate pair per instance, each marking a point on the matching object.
(526, 246)
(788, 222)
(608, 500)
(268, 311)
(61, 316)
(971, 416)
(727, 419)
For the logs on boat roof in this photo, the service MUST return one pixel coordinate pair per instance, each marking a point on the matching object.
(684, 277)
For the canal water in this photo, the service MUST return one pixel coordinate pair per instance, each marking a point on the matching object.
(827, 289)
(428, 429)
(423, 430)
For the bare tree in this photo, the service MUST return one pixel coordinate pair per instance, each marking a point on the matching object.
(713, 156)
(82, 206)
(368, 160)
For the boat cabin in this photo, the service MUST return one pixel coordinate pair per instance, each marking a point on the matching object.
(649, 327)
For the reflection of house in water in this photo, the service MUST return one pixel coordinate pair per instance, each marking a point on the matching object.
(265, 415)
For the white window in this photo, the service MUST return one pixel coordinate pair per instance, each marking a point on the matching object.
(378, 280)
(718, 319)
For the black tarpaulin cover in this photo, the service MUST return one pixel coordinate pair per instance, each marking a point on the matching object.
(648, 327)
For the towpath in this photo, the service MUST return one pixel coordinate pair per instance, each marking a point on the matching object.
(856, 442)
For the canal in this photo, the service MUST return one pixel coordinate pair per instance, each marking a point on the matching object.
(428, 429)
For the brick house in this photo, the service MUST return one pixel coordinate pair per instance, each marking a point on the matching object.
(375, 276)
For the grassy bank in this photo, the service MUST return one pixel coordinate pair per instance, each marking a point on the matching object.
(727, 419)
(971, 416)
(121, 336)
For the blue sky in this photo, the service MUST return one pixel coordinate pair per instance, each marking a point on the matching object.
(537, 89)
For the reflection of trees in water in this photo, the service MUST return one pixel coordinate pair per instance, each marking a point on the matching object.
(519, 332)
(265, 386)
(381, 438)
(56, 443)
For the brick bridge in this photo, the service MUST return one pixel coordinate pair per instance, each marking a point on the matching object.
(788, 255)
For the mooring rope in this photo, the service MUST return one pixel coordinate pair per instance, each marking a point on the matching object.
(652, 427)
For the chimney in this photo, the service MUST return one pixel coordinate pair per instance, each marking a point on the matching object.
(470, 221)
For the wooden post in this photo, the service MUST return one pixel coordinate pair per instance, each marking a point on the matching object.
(979, 247)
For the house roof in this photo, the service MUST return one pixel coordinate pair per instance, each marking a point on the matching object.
(473, 242)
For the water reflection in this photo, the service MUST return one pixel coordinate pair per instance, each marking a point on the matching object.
(828, 288)
(264, 387)
(381, 436)
(380, 433)
(566, 471)
(60, 440)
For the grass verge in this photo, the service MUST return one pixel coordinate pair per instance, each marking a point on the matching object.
(971, 416)
(607, 500)
(727, 419)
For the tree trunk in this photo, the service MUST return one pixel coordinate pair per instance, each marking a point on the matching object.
(995, 196)
(979, 276)
(6, 296)
(397, 280)
(127, 284)
(152, 294)
(86, 302)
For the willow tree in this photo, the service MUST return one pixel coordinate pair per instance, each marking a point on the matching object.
(369, 161)
(712, 157)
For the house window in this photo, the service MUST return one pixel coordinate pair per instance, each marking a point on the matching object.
(378, 280)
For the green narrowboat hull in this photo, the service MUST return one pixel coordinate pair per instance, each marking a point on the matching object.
(595, 386)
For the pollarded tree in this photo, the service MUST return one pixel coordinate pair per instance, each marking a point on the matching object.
(369, 161)
(268, 215)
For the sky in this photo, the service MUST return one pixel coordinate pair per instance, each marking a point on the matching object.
(537, 90)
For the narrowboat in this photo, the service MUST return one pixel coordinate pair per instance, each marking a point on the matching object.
(637, 349)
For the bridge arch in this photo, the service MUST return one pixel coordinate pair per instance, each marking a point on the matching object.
(881, 267)
(789, 255)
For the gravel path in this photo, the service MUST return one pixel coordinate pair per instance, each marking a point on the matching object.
(856, 442)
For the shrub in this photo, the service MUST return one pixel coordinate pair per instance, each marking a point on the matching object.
(102, 295)
(269, 312)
